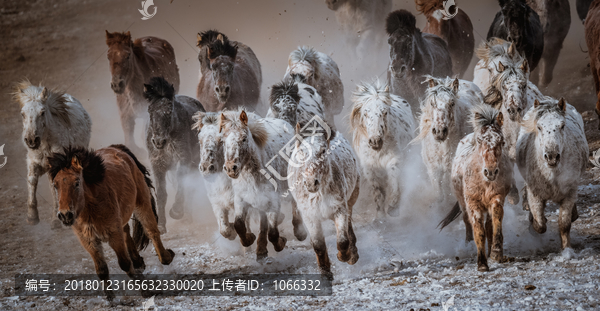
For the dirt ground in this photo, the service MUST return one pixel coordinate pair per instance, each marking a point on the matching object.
(61, 44)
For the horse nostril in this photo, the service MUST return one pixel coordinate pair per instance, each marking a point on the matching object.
(445, 131)
(69, 215)
(546, 156)
(225, 168)
(60, 216)
(226, 89)
(486, 172)
(557, 157)
(211, 168)
(121, 84)
(234, 168)
(434, 131)
(496, 172)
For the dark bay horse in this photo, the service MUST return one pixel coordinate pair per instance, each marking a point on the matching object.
(414, 54)
(230, 73)
(456, 31)
(133, 63)
(170, 141)
(519, 23)
(98, 192)
(592, 38)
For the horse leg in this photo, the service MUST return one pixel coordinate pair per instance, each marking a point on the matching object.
(117, 242)
(536, 213)
(468, 226)
(378, 192)
(299, 230)
(351, 236)
(274, 237)
(488, 233)
(127, 116)
(138, 261)
(513, 194)
(261, 242)
(34, 171)
(477, 218)
(394, 191)
(241, 212)
(318, 243)
(145, 216)
(343, 240)
(94, 248)
(177, 210)
(525, 201)
(161, 197)
(55, 224)
(225, 227)
(564, 220)
(497, 214)
(549, 59)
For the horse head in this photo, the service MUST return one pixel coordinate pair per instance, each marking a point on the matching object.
(370, 112)
(549, 121)
(441, 98)
(222, 56)
(240, 140)
(161, 96)
(34, 111)
(487, 125)
(511, 82)
(335, 4)
(284, 101)
(121, 58)
(209, 139)
(401, 28)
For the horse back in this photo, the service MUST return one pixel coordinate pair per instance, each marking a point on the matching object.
(160, 60)
(438, 49)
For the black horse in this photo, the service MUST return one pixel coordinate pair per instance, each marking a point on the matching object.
(413, 55)
(170, 141)
(583, 6)
(519, 23)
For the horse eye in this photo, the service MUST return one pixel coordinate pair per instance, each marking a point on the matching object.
(562, 126)
(43, 113)
(23, 115)
(244, 140)
(539, 128)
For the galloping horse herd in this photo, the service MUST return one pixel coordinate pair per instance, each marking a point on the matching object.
(471, 135)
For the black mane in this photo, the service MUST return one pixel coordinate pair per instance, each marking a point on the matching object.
(158, 88)
(92, 164)
(209, 36)
(283, 89)
(224, 47)
(400, 20)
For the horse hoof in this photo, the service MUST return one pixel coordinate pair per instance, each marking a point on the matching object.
(250, 238)
(513, 196)
(162, 229)
(483, 268)
(33, 220)
(496, 255)
(327, 273)
(353, 257)
(280, 245)
(394, 211)
(300, 232)
(229, 234)
(175, 214)
(56, 224)
(261, 257)
(343, 256)
(167, 261)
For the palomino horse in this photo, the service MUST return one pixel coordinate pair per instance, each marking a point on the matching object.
(444, 121)
(592, 38)
(412, 55)
(555, 16)
(552, 155)
(456, 31)
(258, 172)
(382, 126)
(133, 63)
(325, 181)
(98, 192)
(519, 23)
(170, 141)
(322, 73)
(482, 177)
(52, 120)
(230, 74)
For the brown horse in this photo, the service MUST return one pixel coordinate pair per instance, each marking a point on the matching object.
(98, 192)
(482, 177)
(592, 38)
(133, 63)
(456, 31)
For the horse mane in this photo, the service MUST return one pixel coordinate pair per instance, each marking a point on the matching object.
(204, 118)
(298, 78)
(217, 48)
(118, 38)
(547, 105)
(55, 100)
(91, 163)
(209, 36)
(427, 7)
(443, 85)
(138, 49)
(307, 54)
(284, 89)
(493, 48)
(494, 95)
(257, 129)
(157, 89)
(400, 20)
(482, 116)
(365, 93)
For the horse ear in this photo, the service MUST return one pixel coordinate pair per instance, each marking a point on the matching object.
(387, 88)
(44, 94)
(536, 103)
(500, 119)
(525, 66)
(511, 49)
(108, 34)
(147, 87)
(562, 104)
(75, 163)
(199, 37)
(455, 85)
(298, 133)
(244, 117)
(500, 67)
(220, 38)
(222, 122)
(128, 34)
(432, 83)
(198, 116)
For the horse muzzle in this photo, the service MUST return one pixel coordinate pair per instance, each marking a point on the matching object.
(159, 143)
(118, 86)
(376, 143)
(222, 93)
(552, 159)
(440, 134)
(67, 218)
(232, 170)
(207, 168)
(312, 185)
(490, 174)
(514, 113)
(33, 143)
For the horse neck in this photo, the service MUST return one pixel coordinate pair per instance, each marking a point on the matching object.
(137, 75)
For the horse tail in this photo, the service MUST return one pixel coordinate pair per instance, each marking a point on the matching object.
(454, 213)
(140, 239)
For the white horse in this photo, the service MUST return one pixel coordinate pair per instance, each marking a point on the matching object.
(382, 126)
(52, 120)
(552, 154)
(295, 102)
(443, 122)
(490, 53)
(324, 179)
(252, 159)
(320, 71)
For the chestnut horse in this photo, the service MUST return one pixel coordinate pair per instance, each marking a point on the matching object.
(133, 63)
(592, 38)
(482, 177)
(456, 31)
(98, 192)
